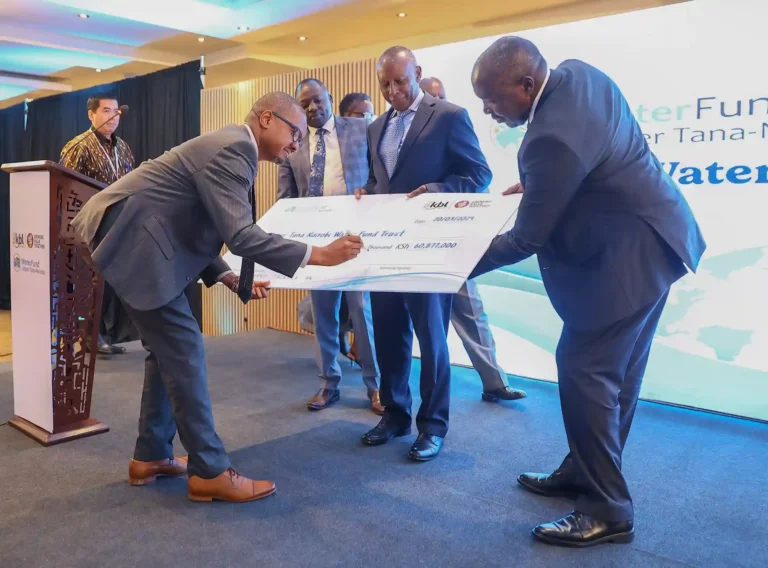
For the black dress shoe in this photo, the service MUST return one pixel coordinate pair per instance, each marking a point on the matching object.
(425, 447)
(557, 484)
(581, 530)
(384, 431)
(504, 393)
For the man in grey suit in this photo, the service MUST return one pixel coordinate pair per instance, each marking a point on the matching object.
(155, 230)
(334, 161)
(469, 319)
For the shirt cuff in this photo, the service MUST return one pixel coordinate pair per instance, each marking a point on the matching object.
(222, 275)
(306, 256)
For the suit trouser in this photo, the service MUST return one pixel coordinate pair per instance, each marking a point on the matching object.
(325, 309)
(176, 390)
(600, 373)
(471, 323)
(395, 318)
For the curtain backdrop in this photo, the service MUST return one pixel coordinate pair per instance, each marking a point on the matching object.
(13, 148)
(164, 112)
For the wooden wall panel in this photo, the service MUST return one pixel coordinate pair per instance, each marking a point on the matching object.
(223, 313)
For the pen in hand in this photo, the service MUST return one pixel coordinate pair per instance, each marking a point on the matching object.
(349, 233)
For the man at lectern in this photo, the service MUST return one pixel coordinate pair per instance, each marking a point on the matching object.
(156, 230)
(612, 233)
(100, 154)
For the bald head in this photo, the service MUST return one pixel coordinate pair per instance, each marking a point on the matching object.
(278, 124)
(397, 53)
(399, 76)
(276, 101)
(507, 77)
(433, 86)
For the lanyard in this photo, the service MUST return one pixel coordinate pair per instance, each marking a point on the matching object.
(111, 165)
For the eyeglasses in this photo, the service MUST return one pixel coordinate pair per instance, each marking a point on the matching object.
(297, 135)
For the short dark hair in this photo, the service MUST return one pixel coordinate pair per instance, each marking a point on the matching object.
(95, 102)
(512, 54)
(307, 82)
(351, 99)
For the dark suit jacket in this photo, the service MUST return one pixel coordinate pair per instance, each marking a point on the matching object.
(440, 151)
(610, 227)
(293, 175)
(175, 214)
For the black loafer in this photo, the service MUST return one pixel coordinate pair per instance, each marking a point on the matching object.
(580, 530)
(426, 447)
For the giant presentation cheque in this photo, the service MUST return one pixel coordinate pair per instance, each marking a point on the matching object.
(429, 243)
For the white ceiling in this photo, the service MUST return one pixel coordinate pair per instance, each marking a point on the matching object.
(46, 47)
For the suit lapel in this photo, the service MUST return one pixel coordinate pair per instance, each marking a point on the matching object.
(423, 114)
(341, 136)
(377, 130)
(303, 167)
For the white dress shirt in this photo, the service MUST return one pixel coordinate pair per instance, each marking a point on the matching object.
(536, 100)
(333, 177)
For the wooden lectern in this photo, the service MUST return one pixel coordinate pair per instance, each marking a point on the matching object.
(56, 304)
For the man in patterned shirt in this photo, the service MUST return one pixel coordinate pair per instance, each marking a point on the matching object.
(101, 155)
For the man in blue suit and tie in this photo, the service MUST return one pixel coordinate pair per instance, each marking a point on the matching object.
(612, 233)
(334, 161)
(422, 144)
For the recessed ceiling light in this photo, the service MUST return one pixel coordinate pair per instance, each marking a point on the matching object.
(402, 15)
(98, 70)
(302, 38)
(243, 28)
(201, 39)
(83, 16)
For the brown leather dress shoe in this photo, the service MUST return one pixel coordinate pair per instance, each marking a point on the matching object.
(142, 473)
(323, 399)
(376, 406)
(229, 486)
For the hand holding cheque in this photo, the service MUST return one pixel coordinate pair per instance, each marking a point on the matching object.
(426, 243)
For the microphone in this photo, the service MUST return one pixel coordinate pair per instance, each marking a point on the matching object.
(119, 112)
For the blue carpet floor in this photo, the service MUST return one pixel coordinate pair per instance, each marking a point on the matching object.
(698, 480)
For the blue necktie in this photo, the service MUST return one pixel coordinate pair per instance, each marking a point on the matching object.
(391, 141)
(317, 172)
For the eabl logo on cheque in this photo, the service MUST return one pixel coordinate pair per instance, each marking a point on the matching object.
(461, 204)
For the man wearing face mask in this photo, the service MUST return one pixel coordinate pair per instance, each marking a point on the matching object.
(357, 105)
(612, 233)
(153, 232)
(422, 144)
(333, 161)
(469, 319)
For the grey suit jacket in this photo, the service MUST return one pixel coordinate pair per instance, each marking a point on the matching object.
(440, 151)
(176, 213)
(293, 176)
